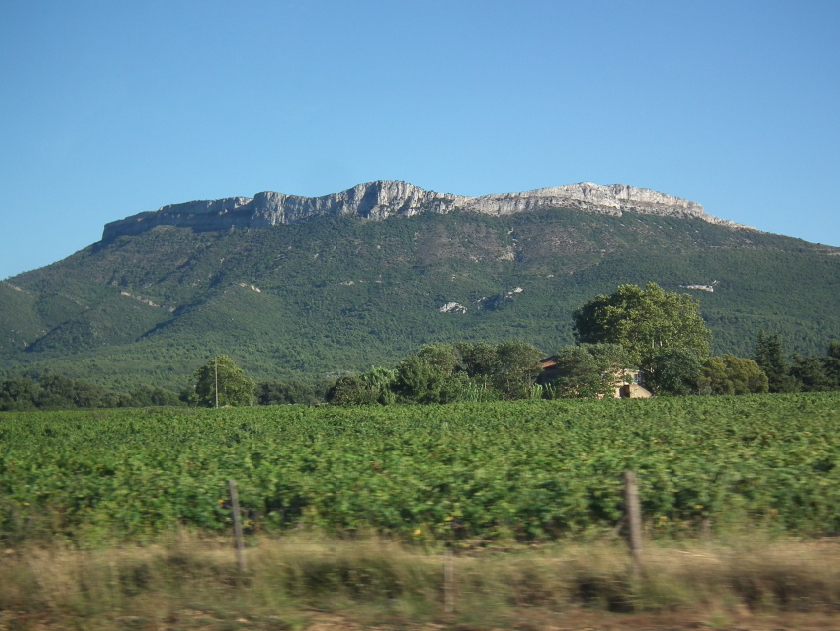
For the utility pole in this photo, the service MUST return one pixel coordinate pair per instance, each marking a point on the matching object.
(216, 389)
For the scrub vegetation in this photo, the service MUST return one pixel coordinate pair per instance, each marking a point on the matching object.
(337, 296)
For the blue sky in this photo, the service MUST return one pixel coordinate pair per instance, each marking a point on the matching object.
(114, 108)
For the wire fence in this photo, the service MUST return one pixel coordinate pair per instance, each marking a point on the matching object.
(636, 564)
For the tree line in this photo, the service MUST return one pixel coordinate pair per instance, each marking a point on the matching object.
(647, 334)
(53, 391)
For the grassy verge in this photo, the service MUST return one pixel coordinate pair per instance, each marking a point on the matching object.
(190, 583)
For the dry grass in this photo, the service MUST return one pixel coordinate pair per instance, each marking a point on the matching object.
(192, 583)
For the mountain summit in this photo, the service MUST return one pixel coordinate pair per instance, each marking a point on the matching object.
(385, 198)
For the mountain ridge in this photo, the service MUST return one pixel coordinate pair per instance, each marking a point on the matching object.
(325, 297)
(386, 198)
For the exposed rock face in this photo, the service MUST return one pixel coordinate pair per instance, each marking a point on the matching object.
(383, 199)
(453, 307)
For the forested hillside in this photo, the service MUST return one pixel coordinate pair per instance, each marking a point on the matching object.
(340, 294)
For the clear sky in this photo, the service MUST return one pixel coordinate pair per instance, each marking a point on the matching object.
(113, 108)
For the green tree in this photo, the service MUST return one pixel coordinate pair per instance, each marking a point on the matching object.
(290, 391)
(478, 360)
(728, 374)
(422, 378)
(810, 374)
(644, 322)
(480, 363)
(832, 365)
(516, 369)
(56, 391)
(445, 357)
(588, 370)
(374, 386)
(19, 393)
(769, 355)
(350, 390)
(59, 391)
(221, 382)
(674, 371)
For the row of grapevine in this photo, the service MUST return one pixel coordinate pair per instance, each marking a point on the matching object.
(526, 470)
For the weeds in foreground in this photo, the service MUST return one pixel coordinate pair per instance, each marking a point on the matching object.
(193, 583)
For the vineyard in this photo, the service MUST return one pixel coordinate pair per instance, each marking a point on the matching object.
(528, 470)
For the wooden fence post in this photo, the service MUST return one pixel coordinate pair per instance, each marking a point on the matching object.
(237, 526)
(448, 580)
(633, 516)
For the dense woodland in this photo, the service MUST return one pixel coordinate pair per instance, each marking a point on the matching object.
(315, 301)
(647, 331)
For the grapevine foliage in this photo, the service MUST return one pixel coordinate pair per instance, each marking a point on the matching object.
(530, 470)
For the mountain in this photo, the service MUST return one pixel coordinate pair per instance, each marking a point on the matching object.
(384, 199)
(321, 286)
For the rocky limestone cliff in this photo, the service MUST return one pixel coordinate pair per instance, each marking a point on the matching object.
(383, 199)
